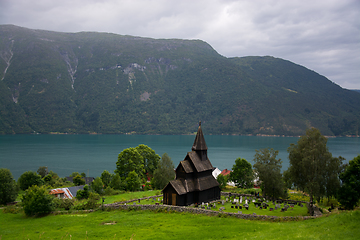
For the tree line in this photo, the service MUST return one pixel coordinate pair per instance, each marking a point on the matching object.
(312, 170)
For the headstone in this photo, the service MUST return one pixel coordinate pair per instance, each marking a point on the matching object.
(134, 203)
(239, 212)
(271, 209)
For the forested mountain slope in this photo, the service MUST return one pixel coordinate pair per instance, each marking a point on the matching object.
(106, 83)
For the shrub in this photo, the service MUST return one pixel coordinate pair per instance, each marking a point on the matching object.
(37, 201)
(28, 179)
(65, 203)
(8, 189)
(83, 194)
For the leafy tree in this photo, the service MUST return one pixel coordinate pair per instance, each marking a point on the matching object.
(83, 174)
(84, 193)
(222, 180)
(42, 171)
(164, 172)
(349, 193)
(312, 167)
(151, 159)
(268, 170)
(133, 181)
(8, 189)
(106, 178)
(97, 185)
(242, 174)
(28, 179)
(37, 201)
(74, 174)
(78, 180)
(116, 182)
(130, 160)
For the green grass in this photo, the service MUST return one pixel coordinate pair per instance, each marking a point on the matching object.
(129, 195)
(150, 225)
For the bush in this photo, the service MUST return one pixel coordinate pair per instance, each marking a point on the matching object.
(8, 188)
(83, 194)
(28, 179)
(91, 203)
(37, 201)
(65, 203)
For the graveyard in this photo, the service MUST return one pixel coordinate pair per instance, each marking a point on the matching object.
(237, 204)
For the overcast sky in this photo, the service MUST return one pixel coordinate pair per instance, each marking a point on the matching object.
(322, 35)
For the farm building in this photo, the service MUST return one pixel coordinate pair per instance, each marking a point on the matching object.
(194, 181)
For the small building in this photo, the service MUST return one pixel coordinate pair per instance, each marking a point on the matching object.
(194, 181)
(69, 192)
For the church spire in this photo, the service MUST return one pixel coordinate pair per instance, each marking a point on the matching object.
(199, 143)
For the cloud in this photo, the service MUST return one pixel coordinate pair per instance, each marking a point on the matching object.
(322, 35)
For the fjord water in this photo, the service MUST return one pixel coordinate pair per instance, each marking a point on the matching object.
(92, 154)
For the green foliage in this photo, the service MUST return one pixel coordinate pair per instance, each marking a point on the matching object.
(130, 160)
(83, 194)
(42, 171)
(349, 193)
(91, 203)
(78, 180)
(116, 182)
(97, 185)
(242, 174)
(28, 179)
(268, 169)
(164, 172)
(132, 181)
(8, 188)
(74, 174)
(106, 178)
(312, 167)
(65, 203)
(37, 201)
(165, 94)
(222, 180)
(151, 159)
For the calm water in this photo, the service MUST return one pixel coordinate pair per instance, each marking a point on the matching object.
(93, 154)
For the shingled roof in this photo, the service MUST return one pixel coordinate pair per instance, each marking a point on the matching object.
(199, 143)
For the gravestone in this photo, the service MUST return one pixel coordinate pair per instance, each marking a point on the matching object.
(239, 212)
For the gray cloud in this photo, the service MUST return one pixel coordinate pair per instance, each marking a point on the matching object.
(322, 35)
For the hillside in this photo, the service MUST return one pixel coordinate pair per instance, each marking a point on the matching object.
(106, 83)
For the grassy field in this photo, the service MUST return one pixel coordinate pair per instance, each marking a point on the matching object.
(151, 225)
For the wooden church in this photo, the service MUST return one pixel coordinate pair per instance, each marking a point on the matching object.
(194, 181)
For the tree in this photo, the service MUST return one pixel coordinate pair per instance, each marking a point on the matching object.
(349, 192)
(242, 174)
(151, 159)
(132, 181)
(77, 180)
(116, 182)
(84, 193)
(8, 189)
(74, 174)
(97, 185)
(37, 201)
(268, 170)
(129, 160)
(164, 172)
(28, 179)
(42, 171)
(222, 180)
(106, 178)
(312, 167)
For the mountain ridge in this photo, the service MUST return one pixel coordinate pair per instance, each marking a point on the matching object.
(91, 82)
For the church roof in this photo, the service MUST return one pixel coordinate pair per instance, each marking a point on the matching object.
(199, 143)
(200, 165)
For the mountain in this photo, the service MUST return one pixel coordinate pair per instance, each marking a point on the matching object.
(91, 82)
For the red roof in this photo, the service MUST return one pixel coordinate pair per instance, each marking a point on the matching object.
(56, 191)
(225, 172)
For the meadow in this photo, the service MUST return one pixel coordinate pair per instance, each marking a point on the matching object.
(122, 224)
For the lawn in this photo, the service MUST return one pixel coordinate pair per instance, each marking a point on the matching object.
(119, 224)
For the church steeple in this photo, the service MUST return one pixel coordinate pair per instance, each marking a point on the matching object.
(199, 143)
